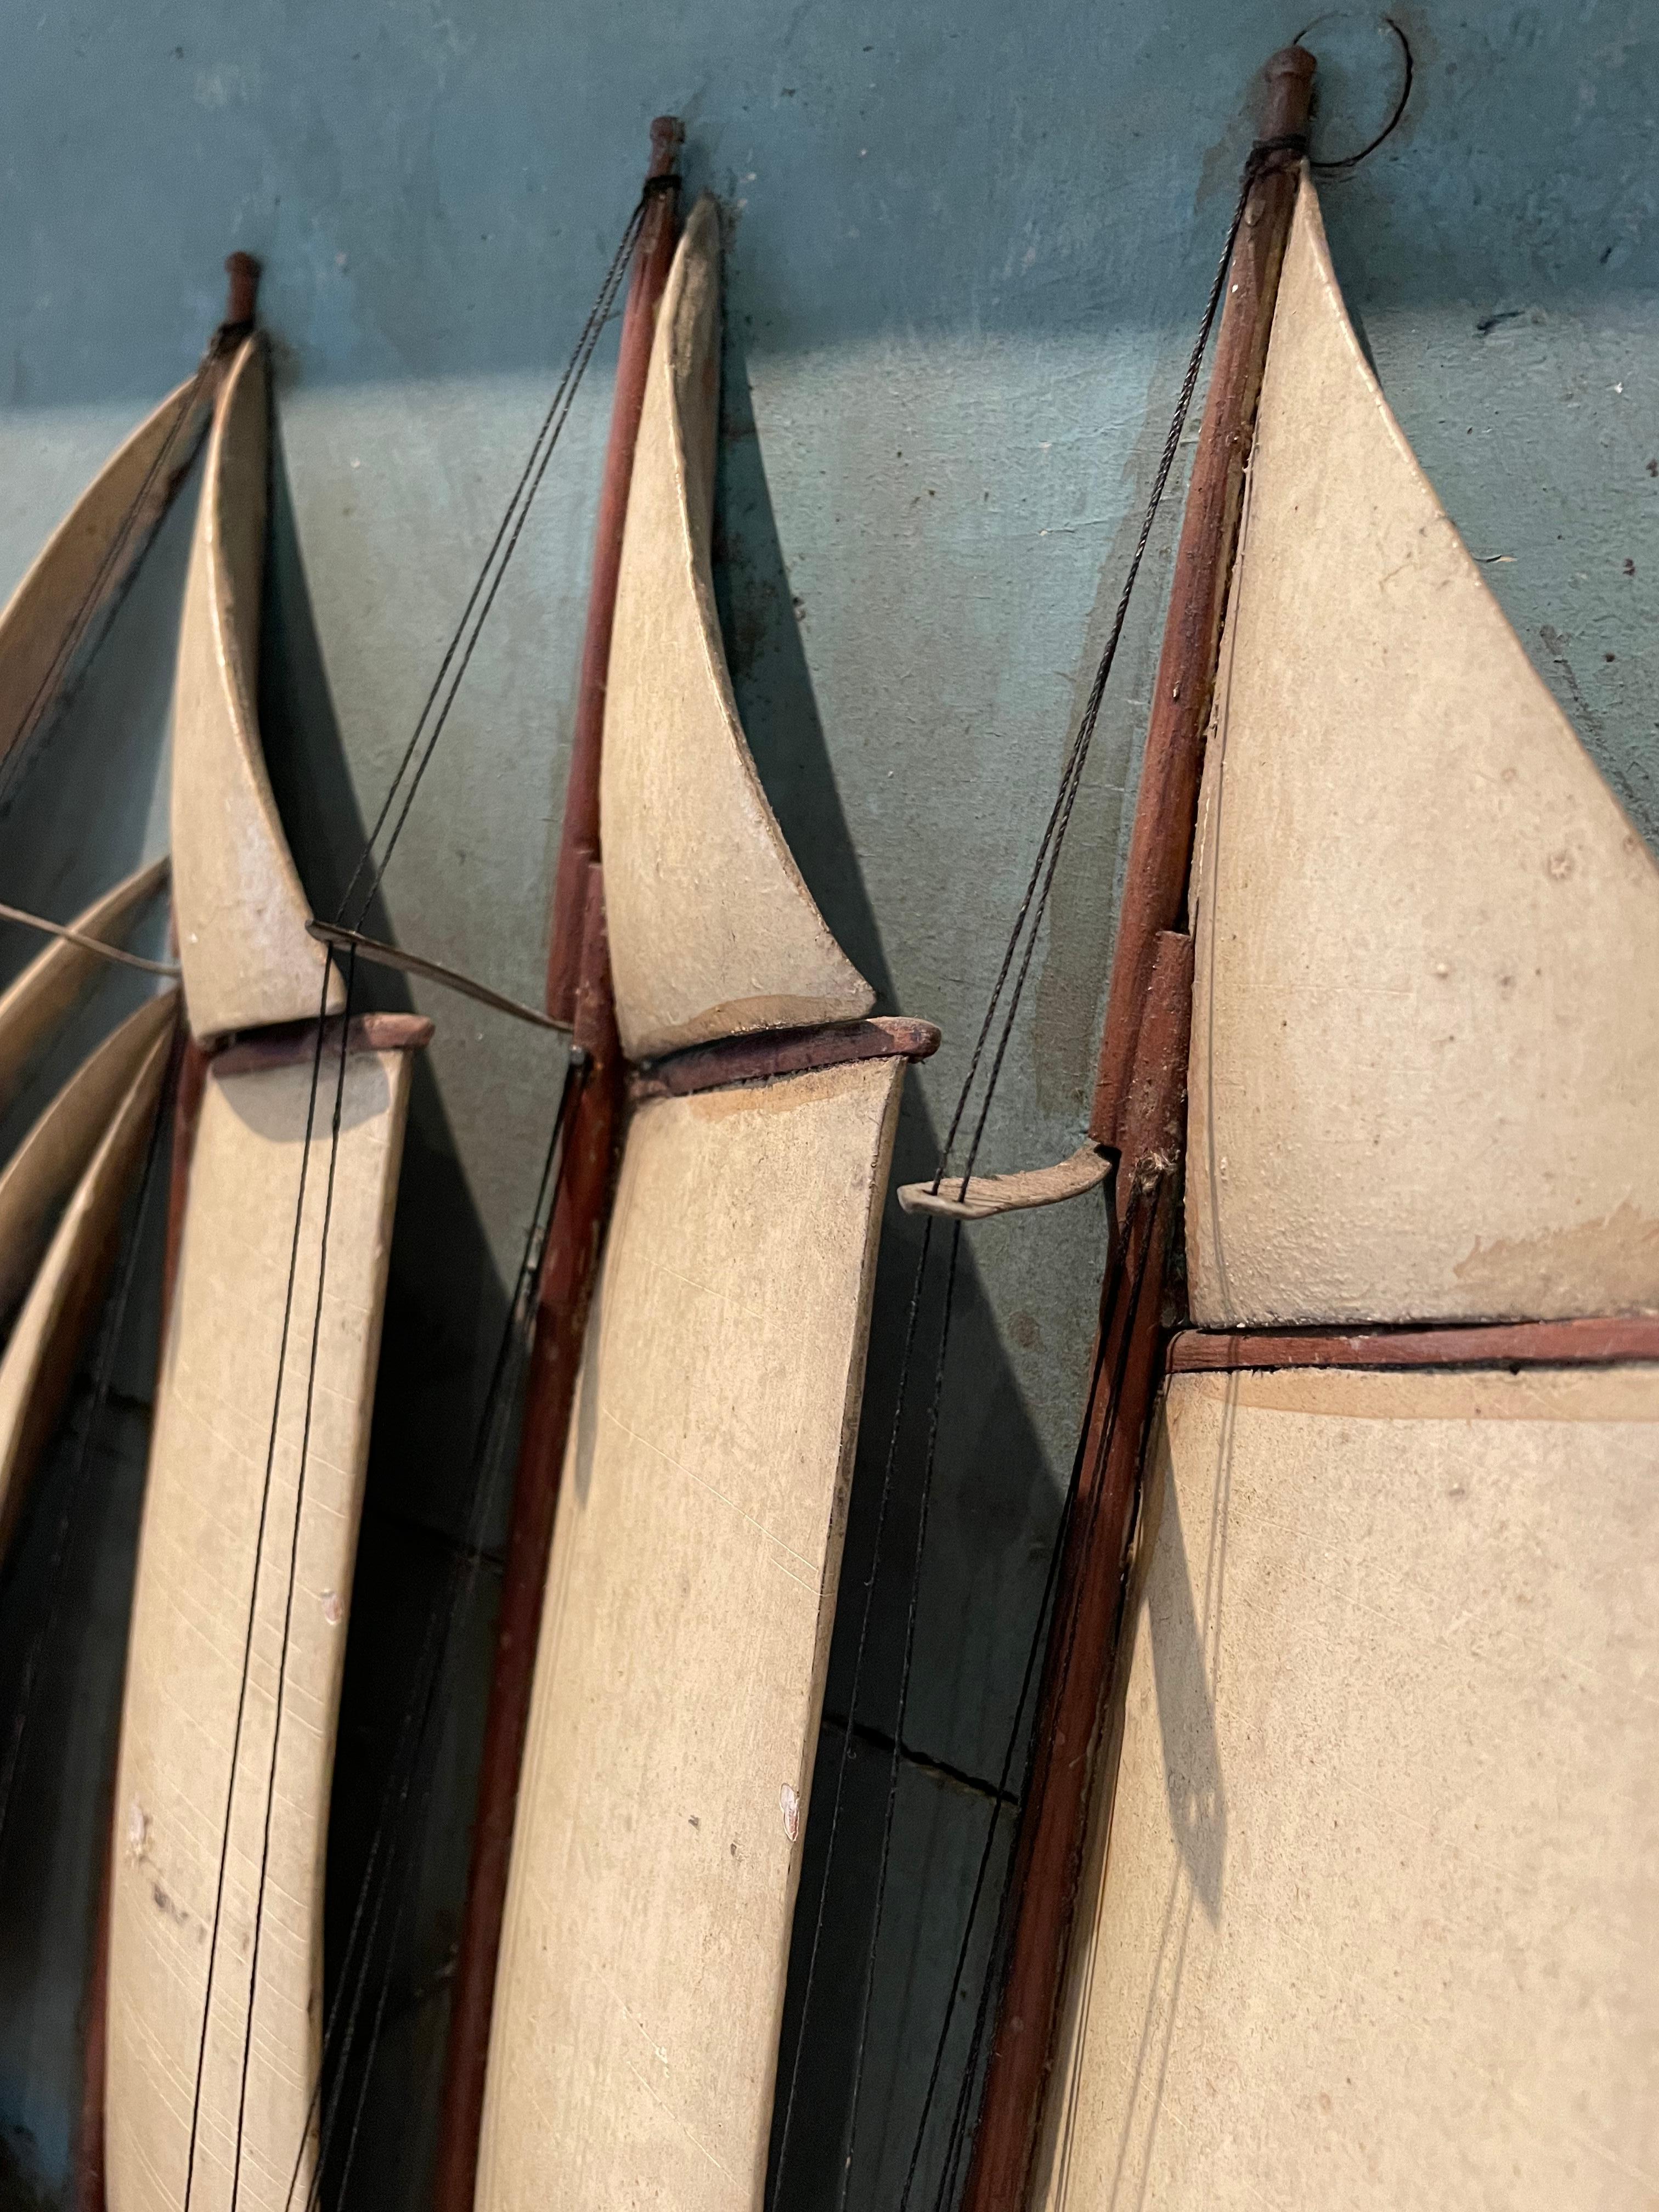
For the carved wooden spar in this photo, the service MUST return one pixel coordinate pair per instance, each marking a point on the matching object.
(1365, 1897)
(238, 1636)
(680, 1667)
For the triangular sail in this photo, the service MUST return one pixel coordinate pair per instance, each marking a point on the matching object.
(680, 1667)
(1372, 1879)
(1425, 1036)
(712, 932)
(242, 910)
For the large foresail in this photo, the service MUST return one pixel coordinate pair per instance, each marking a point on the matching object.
(682, 1648)
(222, 1814)
(1425, 1035)
(214, 2027)
(1368, 1906)
(712, 929)
(680, 1670)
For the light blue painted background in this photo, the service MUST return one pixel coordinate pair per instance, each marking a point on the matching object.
(967, 247)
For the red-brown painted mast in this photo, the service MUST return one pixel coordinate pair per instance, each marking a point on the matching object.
(189, 1081)
(1138, 1106)
(577, 991)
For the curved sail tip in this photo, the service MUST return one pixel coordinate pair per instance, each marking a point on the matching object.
(952, 1199)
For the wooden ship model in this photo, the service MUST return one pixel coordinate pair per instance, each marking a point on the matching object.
(1334, 1877)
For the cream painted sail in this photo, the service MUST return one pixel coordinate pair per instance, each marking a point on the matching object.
(1376, 1926)
(46, 1340)
(51, 1158)
(1426, 1037)
(32, 1006)
(681, 1664)
(54, 619)
(241, 911)
(1369, 1916)
(182, 1814)
(712, 930)
(680, 1668)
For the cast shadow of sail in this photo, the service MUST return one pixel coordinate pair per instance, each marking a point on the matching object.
(398, 1848)
(993, 1498)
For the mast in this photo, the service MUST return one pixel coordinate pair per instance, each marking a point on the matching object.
(1138, 1103)
(578, 991)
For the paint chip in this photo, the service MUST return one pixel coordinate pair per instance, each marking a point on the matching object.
(789, 1804)
(333, 1608)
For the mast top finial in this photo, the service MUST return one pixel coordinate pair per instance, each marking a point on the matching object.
(667, 135)
(243, 270)
(1290, 75)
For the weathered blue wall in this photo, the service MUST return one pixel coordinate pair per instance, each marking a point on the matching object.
(967, 244)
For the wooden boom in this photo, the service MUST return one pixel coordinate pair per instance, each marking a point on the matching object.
(578, 991)
(1138, 1098)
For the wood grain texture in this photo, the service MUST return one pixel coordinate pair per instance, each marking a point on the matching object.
(35, 1002)
(184, 1664)
(578, 832)
(240, 908)
(1426, 1037)
(1591, 1340)
(980, 1196)
(758, 1059)
(53, 622)
(63, 1299)
(1383, 1874)
(1159, 861)
(713, 930)
(683, 1650)
(49, 1163)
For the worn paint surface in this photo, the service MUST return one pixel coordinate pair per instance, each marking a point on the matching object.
(966, 246)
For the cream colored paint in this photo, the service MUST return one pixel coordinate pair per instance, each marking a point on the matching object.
(46, 1340)
(1376, 1927)
(712, 931)
(1425, 1041)
(191, 1623)
(241, 911)
(50, 1159)
(681, 1664)
(33, 1004)
(83, 565)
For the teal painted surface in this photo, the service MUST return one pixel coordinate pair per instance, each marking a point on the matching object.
(966, 248)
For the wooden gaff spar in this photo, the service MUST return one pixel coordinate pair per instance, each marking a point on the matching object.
(1350, 1888)
(680, 1670)
(215, 1956)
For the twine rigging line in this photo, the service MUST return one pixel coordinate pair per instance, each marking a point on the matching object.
(1020, 949)
(368, 873)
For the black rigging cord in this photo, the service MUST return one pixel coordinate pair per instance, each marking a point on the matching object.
(393, 1829)
(417, 757)
(1021, 947)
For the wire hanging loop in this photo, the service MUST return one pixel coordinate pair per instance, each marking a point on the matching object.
(1344, 165)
